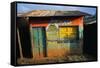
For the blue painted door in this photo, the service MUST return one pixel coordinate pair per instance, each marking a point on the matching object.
(39, 42)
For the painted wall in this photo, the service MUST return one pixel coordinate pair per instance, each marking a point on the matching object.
(55, 46)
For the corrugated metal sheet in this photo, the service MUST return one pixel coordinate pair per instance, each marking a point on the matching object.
(43, 13)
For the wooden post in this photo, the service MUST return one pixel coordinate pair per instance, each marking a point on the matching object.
(19, 42)
(31, 35)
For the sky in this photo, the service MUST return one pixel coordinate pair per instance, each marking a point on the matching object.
(25, 7)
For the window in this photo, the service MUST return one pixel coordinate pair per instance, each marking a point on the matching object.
(68, 32)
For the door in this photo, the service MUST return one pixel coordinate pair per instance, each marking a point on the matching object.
(39, 42)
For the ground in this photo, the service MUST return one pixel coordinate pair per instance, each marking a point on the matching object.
(70, 58)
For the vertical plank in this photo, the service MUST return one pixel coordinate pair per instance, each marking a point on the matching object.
(19, 42)
(35, 38)
(32, 40)
(44, 42)
(40, 42)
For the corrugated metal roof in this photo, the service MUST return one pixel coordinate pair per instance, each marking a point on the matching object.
(40, 13)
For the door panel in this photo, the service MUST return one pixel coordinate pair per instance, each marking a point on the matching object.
(39, 44)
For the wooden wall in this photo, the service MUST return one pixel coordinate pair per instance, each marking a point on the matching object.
(53, 47)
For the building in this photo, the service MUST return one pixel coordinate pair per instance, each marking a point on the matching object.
(54, 34)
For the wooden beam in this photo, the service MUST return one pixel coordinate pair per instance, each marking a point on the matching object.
(19, 42)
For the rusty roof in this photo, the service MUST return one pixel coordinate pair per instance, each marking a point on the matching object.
(40, 13)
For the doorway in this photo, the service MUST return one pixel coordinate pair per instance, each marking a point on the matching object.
(39, 42)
